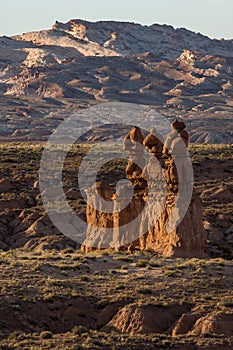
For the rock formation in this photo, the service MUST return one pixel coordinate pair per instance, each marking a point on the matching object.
(179, 72)
(154, 143)
(158, 196)
(133, 143)
(23, 221)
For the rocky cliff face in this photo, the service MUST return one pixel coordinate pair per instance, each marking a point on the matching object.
(179, 72)
(187, 240)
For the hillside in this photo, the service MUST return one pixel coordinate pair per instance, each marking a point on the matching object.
(46, 75)
(56, 291)
(25, 224)
(68, 300)
(55, 296)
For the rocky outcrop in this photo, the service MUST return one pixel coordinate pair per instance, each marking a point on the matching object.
(179, 72)
(134, 319)
(187, 240)
(218, 323)
(22, 215)
(159, 216)
(210, 324)
(123, 38)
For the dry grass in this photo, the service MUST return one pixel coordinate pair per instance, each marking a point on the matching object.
(205, 284)
(58, 280)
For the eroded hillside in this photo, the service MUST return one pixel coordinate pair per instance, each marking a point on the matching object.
(46, 75)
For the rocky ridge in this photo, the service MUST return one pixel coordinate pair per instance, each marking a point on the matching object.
(46, 75)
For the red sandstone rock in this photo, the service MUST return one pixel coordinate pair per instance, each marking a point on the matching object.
(144, 222)
(218, 323)
(154, 142)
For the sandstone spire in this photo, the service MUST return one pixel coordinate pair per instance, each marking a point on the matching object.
(145, 222)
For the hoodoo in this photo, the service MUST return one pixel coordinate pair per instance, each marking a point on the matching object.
(160, 217)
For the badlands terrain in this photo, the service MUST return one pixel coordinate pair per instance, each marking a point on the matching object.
(47, 75)
(55, 296)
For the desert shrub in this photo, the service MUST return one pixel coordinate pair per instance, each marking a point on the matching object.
(79, 330)
(46, 335)
(145, 290)
(68, 250)
(169, 273)
(142, 263)
(84, 278)
(49, 297)
(120, 286)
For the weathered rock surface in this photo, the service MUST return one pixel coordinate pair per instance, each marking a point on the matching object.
(112, 38)
(187, 240)
(134, 319)
(23, 221)
(159, 217)
(173, 319)
(44, 75)
(216, 323)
